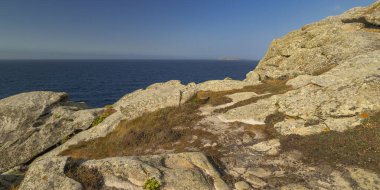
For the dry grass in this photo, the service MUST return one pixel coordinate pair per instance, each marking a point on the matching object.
(13, 187)
(270, 121)
(90, 178)
(215, 98)
(271, 87)
(167, 128)
(359, 146)
(242, 103)
(143, 135)
(170, 128)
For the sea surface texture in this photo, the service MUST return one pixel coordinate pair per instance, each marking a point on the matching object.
(102, 82)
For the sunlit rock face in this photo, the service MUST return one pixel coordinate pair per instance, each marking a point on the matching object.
(317, 47)
(31, 123)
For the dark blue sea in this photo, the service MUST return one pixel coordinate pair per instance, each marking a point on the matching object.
(102, 82)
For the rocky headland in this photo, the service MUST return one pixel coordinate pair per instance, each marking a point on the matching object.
(308, 117)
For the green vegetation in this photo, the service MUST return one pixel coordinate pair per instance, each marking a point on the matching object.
(98, 120)
(152, 184)
(358, 146)
(108, 106)
(107, 112)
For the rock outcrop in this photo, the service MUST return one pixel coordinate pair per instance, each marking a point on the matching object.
(31, 123)
(320, 46)
(333, 100)
(174, 171)
(334, 67)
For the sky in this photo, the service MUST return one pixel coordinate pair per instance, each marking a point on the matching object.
(153, 29)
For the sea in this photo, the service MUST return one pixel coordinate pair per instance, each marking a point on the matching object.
(103, 82)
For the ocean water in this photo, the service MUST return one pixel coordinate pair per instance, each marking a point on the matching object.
(102, 82)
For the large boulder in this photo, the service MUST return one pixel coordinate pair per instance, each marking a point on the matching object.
(174, 171)
(318, 47)
(155, 96)
(31, 123)
(333, 67)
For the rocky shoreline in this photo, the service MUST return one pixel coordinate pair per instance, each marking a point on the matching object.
(308, 117)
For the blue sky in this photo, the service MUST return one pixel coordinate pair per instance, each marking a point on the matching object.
(153, 29)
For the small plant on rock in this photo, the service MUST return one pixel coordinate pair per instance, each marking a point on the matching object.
(98, 120)
(152, 184)
(107, 112)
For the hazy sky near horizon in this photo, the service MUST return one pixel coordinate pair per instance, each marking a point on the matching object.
(162, 29)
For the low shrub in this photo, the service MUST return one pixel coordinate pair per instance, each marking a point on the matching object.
(152, 184)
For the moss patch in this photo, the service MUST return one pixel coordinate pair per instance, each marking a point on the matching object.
(358, 146)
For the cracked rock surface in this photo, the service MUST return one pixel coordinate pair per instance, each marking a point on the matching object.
(31, 123)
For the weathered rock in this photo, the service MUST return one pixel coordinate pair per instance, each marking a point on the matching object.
(101, 130)
(337, 97)
(49, 174)
(319, 46)
(133, 105)
(339, 181)
(31, 123)
(332, 101)
(174, 171)
(259, 172)
(257, 111)
(12, 177)
(255, 181)
(242, 185)
(300, 81)
(156, 96)
(221, 85)
(292, 126)
(293, 186)
(336, 65)
(365, 179)
(270, 147)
